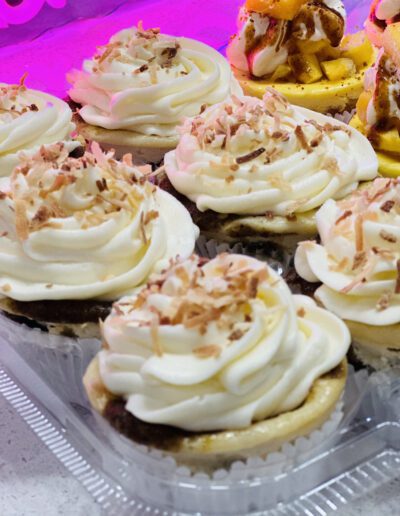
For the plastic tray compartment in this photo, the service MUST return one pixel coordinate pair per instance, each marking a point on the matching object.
(363, 454)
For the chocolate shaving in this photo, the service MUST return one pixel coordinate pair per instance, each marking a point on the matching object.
(389, 237)
(387, 206)
(343, 216)
(250, 156)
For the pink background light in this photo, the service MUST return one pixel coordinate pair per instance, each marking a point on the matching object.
(49, 57)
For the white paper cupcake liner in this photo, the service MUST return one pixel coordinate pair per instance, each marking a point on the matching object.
(345, 116)
(211, 248)
(60, 361)
(376, 361)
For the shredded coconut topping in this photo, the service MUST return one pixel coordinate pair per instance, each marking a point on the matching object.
(152, 50)
(198, 297)
(12, 105)
(44, 188)
(270, 121)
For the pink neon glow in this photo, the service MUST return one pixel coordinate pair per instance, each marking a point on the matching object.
(25, 11)
(47, 59)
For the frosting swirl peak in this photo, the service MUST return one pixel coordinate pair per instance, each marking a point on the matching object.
(29, 119)
(146, 82)
(218, 344)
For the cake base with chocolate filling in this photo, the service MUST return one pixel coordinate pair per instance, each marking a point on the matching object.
(71, 318)
(219, 449)
(277, 235)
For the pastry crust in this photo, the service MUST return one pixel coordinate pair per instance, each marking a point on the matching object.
(323, 96)
(144, 148)
(221, 448)
(386, 143)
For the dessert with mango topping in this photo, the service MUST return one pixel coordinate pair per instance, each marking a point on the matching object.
(378, 108)
(298, 47)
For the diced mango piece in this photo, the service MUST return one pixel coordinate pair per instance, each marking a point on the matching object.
(362, 104)
(338, 68)
(311, 47)
(280, 9)
(282, 71)
(358, 48)
(305, 67)
(328, 53)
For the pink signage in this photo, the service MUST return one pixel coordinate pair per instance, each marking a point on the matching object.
(14, 12)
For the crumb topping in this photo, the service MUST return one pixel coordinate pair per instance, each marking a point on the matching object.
(51, 186)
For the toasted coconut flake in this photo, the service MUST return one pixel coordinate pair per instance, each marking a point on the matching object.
(210, 351)
(21, 219)
(301, 312)
(397, 286)
(387, 206)
(359, 232)
(250, 156)
(384, 301)
(6, 287)
(389, 237)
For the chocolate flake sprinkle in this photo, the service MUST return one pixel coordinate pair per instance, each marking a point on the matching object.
(250, 156)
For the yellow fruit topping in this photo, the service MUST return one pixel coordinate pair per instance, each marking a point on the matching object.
(362, 105)
(282, 71)
(338, 68)
(280, 9)
(357, 47)
(389, 164)
(305, 68)
(307, 46)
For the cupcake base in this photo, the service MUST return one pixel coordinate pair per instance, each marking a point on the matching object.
(145, 149)
(212, 451)
(59, 361)
(376, 346)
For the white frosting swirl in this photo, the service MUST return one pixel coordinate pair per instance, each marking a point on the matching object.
(265, 59)
(304, 158)
(85, 228)
(29, 119)
(147, 82)
(232, 345)
(387, 9)
(262, 42)
(358, 260)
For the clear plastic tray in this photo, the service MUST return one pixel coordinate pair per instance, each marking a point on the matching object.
(362, 454)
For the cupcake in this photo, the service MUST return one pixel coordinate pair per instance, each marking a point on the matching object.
(255, 170)
(136, 90)
(78, 233)
(358, 264)
(382, 14)
(378, 111)
(215, 361)
(298, 48)
(29, 119)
